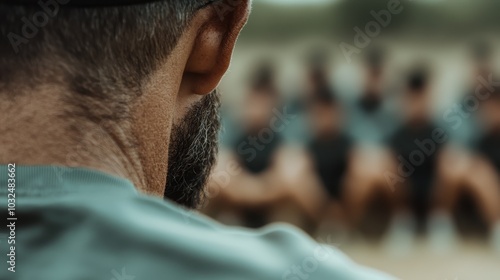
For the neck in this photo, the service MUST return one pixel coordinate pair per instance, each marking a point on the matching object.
(40, 133)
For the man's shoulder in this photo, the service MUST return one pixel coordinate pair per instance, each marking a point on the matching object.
(146, 237)
(184, 239)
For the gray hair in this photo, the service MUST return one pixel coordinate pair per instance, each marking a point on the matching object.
(100, 53)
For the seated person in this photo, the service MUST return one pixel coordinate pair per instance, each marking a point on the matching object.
(474, 173)
(461, 120)
(371, 113)
(329, 146)
(255, 149)
(370, 120)
(487, 180)
(329, 150)
(415, 147)
(274, 182)
(316, 76)
(459, 169)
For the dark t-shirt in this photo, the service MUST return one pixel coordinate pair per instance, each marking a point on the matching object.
(422, 157)
(330, 161)
(256, 158)
(489, 147)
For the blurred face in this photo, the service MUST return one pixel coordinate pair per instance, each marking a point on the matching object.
(374, 80)
(258, 110)
(315, 79)
(324, 119)
(416, 107)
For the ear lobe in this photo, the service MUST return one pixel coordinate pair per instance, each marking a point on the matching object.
(213, 47)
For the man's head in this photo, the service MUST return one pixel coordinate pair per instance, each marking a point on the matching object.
(317, 66)
(417, 95)
(262, 96)
(144, 74)
(325, 114)
(374, 62)
(374, 67)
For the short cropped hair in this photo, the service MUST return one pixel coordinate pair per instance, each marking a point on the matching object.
(102, 53)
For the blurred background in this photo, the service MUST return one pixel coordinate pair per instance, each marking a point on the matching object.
(372, 125)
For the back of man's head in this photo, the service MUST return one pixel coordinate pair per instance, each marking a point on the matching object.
(123, 86)
(94, 51)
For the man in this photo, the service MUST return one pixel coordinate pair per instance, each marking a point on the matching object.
(464, 131)
(468, 186)
(107, 107)
(273, 182)
(371, 112)
(473, 176)
(417, 130)
(257, 190)
(371, 119)
(329, 151)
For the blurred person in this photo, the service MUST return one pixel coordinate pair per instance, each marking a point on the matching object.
(315, 77)
(460, 171)
(370, 121)
(323, 147)
(267, 187)
(125, 116)
(255, 149)
(371, 114)
(416, 146)
(487, 167)
(474, 174)
(329, 151)
(463, 124)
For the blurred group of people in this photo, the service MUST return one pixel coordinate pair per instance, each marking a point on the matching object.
(380, 162)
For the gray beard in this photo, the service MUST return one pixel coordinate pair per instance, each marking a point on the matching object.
(193, 151)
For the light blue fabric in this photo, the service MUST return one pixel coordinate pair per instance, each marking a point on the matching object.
(371, 128)
(79, 224)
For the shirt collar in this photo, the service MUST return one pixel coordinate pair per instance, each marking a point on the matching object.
(50, 180)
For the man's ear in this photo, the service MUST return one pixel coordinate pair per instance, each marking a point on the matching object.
(214, 43)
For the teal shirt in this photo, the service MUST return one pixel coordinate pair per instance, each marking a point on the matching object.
(79, 224)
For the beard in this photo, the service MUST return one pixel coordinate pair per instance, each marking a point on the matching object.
(192, 152)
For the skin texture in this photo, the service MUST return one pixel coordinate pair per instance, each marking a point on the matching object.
(32, 132)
